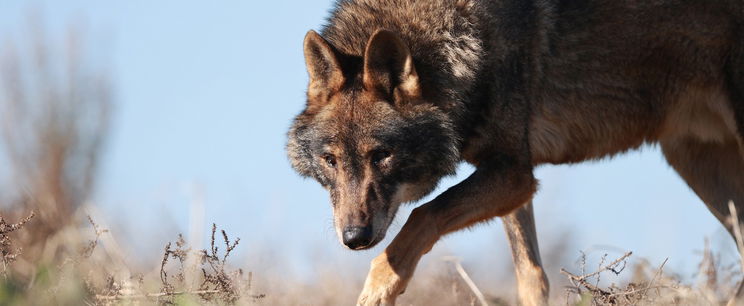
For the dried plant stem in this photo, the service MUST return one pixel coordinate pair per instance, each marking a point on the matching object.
(581, 280)
(635, 291)
(609, 267)
(153, 295)
(124, 297)
(460, 270)
(736, 225)
(632, 294)
(658, 273)
(7, 253)
(595, 289)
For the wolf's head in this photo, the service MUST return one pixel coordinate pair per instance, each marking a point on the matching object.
(369, 135)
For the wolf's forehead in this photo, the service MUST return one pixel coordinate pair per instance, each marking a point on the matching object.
(350, 135)
(357, 112)
(353, 133)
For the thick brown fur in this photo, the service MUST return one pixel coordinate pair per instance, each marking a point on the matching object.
(402, 90)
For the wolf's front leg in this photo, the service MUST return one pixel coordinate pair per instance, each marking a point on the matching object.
(390, 271)
(489, 192)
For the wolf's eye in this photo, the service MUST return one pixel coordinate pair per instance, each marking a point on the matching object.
(380, 156)
(330, 160)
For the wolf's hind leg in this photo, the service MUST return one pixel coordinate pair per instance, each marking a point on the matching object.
(532, 283)
(715, 172)
(735, 86)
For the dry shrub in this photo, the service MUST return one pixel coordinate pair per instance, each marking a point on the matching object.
(7, 251)
(716, 283)
(217, 283)
(54, 116)
(651, 285)
(55, 279)
(89, 271)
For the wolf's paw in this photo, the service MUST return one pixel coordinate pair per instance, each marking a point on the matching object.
(383, 284)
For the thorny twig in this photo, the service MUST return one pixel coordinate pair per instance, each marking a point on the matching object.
(88, 250)
(612, 267)
(167, 287)
(216, 281)
(632, 294)
(180, 252)
(6, 249)
(218, 278)
(579, 281)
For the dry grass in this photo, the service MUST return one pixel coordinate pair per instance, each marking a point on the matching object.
(88, 273)
(647, 284)
(216, 282)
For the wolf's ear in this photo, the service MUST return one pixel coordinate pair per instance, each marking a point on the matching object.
(389, 68)
(322, 65)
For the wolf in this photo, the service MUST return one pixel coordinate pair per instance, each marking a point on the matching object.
(402, 91)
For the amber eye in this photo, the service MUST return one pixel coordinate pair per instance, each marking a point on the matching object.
(380, 156)
(330, 160)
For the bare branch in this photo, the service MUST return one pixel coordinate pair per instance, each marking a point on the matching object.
(460, 270)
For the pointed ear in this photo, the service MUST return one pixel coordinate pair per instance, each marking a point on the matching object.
(389, 68)
(322, 65)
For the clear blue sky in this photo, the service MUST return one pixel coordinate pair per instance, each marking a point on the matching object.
(205, 94)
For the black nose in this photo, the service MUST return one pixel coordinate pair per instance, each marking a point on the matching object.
(356, 237)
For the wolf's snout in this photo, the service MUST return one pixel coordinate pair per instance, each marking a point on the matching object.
(357, 237)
